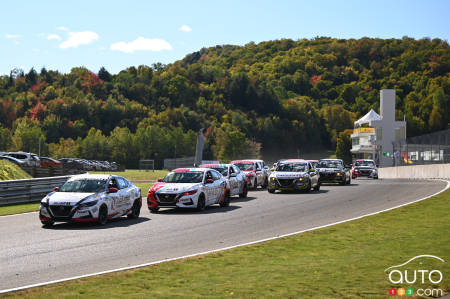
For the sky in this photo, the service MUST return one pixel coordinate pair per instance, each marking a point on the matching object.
(60, 35)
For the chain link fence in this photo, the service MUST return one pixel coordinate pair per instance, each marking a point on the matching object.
(433, 148)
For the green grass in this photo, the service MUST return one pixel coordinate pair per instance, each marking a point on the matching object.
(138, 175)
(343, 261)
(10, 171)
(19, 208)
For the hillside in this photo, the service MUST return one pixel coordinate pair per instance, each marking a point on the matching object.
(10, 171)
(282, 94)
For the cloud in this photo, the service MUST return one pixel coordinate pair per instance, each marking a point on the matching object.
(185, 28)
(53, 36)
(13, 36)
(142, 44)
(62, 28)
(79, 38)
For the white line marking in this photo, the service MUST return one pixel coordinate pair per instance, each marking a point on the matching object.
(220, 249)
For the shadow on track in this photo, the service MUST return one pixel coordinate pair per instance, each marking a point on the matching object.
(240, 199)
(208, 210)
(112, 223)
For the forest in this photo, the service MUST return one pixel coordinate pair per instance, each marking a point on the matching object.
(275, 96)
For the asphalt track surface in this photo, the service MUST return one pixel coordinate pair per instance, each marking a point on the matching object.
(31, 254)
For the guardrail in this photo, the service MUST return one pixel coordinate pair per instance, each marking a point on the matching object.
(435, 171)
(29, 190)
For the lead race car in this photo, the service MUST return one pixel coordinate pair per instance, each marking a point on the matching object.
(364, 168)
(189, 188)
(294, 175)
(91, 198)
(236, 178)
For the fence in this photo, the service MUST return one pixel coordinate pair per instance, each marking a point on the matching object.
(178, 162)
(430, 148)
(40, 172)
(30, 190)
(147, 165)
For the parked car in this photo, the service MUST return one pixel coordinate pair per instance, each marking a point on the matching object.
(91, 198)
(253, 171)
(364, 168)
(194, 188)
(236, 178)
(29, 159)
(334, 171)
(48, 162)
(13, 160)
(294, 175)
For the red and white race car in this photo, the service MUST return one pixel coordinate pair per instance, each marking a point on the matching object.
(253, 172)
(189, 188)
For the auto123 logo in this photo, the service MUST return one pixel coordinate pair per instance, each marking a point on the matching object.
(423, 271)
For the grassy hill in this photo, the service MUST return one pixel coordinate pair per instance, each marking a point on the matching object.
(10, 171)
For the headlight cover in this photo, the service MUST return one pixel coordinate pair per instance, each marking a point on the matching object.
(87, 204)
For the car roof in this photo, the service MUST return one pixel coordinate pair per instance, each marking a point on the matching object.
(214, 165)
(362, 160)
(91, 176)
(243, 161)
(294, 160)
(330, 160)
(190, 169)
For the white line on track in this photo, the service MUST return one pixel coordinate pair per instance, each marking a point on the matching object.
(216, 250)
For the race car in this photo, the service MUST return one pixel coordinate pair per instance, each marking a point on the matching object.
(189, 188)
(91, 198)
(294, 175)
(314, 163)
(334, 171)
(236, 178)
(364, 168)
(253, 171)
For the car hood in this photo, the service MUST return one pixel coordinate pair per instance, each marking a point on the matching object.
(174, 188)
(365, 167)
(66, 198)
(288, 175)
(329, 169)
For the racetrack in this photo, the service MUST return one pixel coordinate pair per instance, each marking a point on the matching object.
(30, 254)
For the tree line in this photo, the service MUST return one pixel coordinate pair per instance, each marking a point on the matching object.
(281, 94)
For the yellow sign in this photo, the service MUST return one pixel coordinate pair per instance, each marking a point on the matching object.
(364, 130)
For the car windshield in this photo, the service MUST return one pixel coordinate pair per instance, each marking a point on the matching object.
(314, 164)
(184, 177)
(330, 164)
(365, 163)
(222, 170)
(292, 167)
(84, 186)
(245, 166)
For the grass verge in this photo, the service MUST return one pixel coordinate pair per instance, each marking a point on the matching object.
(138, 175)
(344, 261)
(19, 208)
(10, 171)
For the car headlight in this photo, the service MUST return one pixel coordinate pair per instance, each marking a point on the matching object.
(272, 179)
(374, 170)
(302, 179)
(340, 173)
(88, 204)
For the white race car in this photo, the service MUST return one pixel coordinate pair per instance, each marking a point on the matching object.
(237, 180)
(189, 188)
(91, 198)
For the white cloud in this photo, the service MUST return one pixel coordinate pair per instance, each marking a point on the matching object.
(79, 38)
(185, 28)
(13, 36)
(62, 28)
(142, 44)
(53, 36)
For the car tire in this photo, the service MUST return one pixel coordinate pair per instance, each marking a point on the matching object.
(344, 182)
(154, 210)
(349, 180)
(255, 184)
(375, 178)
(317, 187)
(308, 189)
(135, 209)
(201, 204)
(102, 215)
(48, 223)
(244, 191)
(271, 190)
(266, 183)
(226, 200)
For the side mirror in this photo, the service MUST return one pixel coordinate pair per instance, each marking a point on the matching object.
(160, 180)
(233, 175)
(113, 190)
(56, 189)
(258, 169)
(209, 181)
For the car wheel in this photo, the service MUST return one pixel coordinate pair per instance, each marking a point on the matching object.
(255, 184)
(48, 223)
(226, 200)
(375, 178)
(271, 190)
(344, 181)
(103, 215)
(154, 210)
(266, 183)
(135, 209)
(244, 191)
(201, 204)
(349, 181)
(317, 187)
(308, 188)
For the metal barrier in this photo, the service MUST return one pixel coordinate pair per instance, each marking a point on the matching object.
(29, 190)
